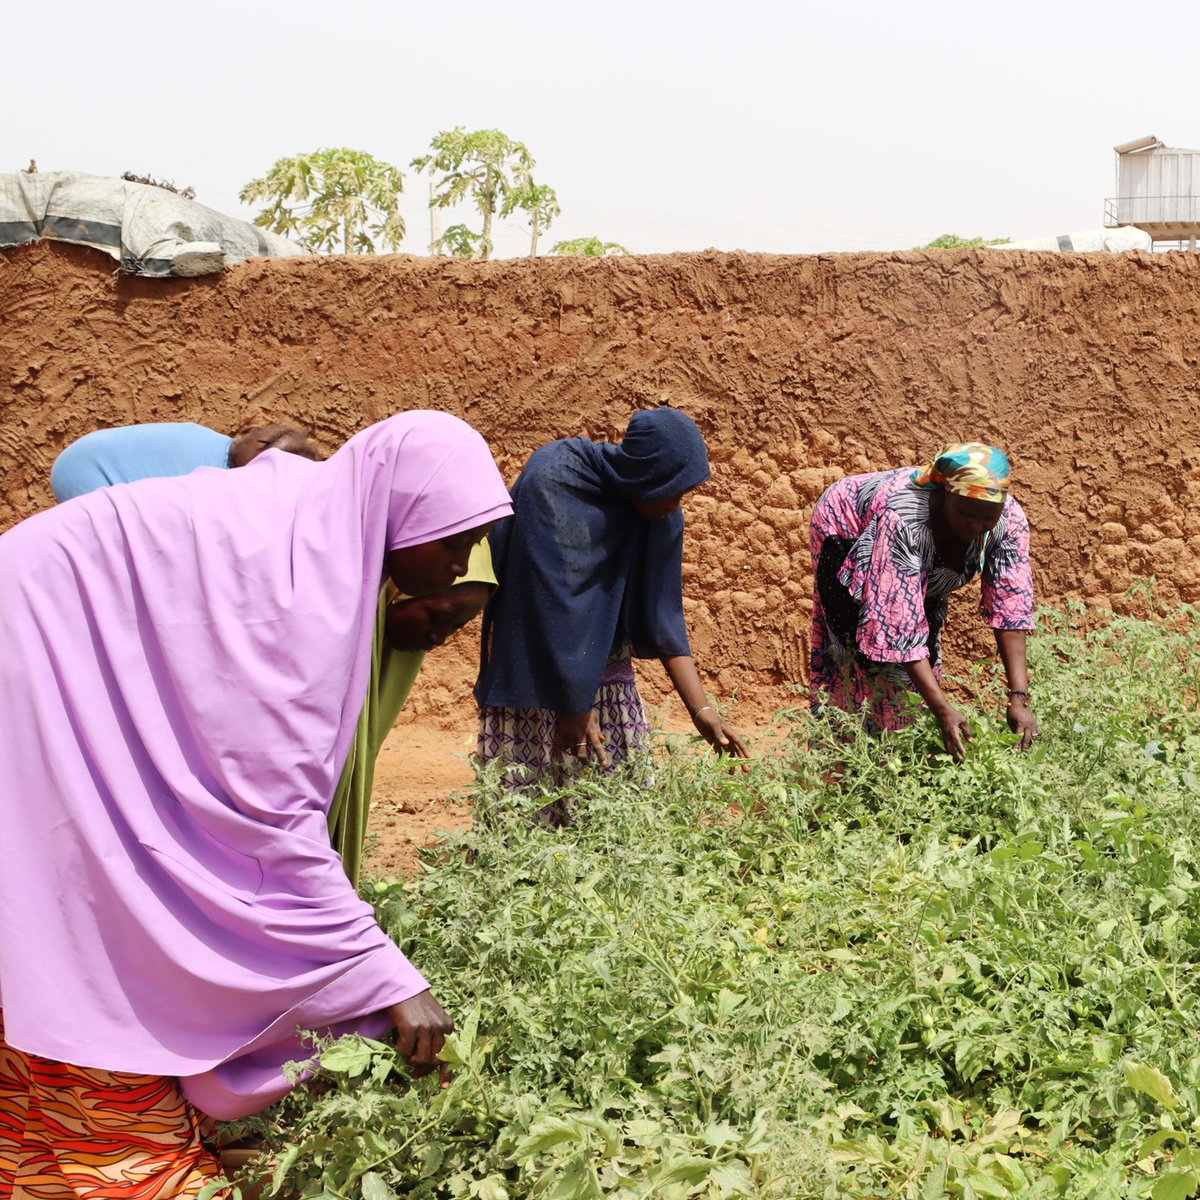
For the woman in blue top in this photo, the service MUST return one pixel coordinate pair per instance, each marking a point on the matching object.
(590, 573)
(151, 451)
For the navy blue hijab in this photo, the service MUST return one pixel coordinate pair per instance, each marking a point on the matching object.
(580, 570)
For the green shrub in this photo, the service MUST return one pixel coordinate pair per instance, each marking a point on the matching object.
(854, 970)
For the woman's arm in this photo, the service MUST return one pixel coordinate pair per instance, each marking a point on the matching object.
(953, 724)
(708, 722)
(1006, 604)
(1010, 643)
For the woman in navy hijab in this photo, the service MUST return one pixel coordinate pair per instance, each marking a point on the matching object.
(590, 572)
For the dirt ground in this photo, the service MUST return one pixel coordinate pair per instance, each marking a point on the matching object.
(798, 369)
(420, 780)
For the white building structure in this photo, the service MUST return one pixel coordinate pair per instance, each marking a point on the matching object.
(1158, 190)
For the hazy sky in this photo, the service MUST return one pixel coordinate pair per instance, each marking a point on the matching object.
(789, 127)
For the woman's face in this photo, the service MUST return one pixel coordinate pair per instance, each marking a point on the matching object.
(432, 566)
(254, 439)
(969, 519)
(425, 622)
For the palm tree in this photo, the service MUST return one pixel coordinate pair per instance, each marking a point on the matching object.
(332, 194)
(486, 165)
(540, 201)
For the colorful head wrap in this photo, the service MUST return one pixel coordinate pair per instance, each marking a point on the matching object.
(972, 469)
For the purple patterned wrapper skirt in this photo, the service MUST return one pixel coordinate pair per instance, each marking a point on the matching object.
(523, 738)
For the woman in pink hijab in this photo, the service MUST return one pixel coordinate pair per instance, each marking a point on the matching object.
(184, 662)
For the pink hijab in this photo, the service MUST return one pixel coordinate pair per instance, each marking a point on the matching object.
(184, 663)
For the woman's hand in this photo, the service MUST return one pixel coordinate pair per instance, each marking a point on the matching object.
(422, 1025)
(723, 738)
(709, 723)
(955, 730)
(952, 723)
(579, 736)
(1022, 721)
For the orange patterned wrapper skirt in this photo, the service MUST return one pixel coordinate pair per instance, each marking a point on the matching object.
(76, 1133)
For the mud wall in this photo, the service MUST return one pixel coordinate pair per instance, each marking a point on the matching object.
(798, 369)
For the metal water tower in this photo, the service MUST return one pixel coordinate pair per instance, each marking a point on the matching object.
(1158, 190)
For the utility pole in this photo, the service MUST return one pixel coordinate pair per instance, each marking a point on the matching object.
(434, 233)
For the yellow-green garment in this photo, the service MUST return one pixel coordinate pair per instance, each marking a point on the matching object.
(393, 672)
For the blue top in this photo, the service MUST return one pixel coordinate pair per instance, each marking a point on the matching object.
(133, 452)
(581, 571)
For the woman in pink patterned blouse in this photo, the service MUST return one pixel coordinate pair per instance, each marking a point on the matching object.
(888, 548)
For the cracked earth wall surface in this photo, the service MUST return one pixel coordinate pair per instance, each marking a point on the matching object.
(797, 369)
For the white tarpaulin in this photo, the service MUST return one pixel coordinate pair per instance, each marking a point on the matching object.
(1123, 237)
(148, 230)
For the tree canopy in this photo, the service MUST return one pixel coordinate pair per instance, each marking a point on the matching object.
(540, 203)
(588, 245)
(332, 195)
(342, 199)
(492, 170)
(952, 241)
(459, 242)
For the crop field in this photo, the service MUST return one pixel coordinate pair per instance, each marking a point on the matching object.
(854, 970)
